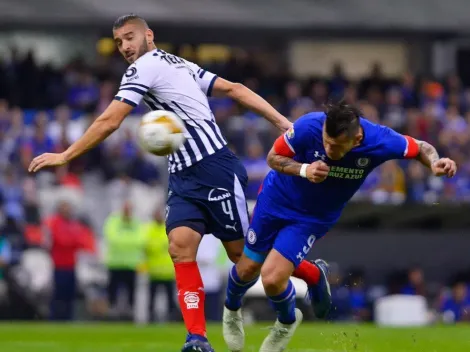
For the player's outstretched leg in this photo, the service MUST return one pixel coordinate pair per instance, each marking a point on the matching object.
(242, 277)
(281, 293)
(315, 274)
(183, 245)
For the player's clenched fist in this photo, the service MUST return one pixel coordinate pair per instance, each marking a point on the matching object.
(444, 167)
(317, 171)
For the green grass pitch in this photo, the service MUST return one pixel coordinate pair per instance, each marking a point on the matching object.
(18, 337)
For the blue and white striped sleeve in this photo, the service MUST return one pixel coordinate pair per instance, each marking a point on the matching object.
(204, 78)
(135, 83)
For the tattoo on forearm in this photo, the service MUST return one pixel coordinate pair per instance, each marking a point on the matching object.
(283, 164)
(427, 153)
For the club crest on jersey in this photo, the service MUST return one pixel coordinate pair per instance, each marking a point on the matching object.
(290, 133)
(131, 71)
(251, 237)
(362, 162)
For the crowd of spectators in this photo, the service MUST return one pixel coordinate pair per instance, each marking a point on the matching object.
(45, 109)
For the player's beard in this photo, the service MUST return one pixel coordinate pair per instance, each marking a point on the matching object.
(144, 48)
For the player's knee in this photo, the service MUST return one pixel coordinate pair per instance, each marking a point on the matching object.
(183, 246)
(234, 256)
(273, 281)
(248, 270)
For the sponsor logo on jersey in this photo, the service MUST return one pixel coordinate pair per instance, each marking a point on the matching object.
(251, 237)
(346, 173)
(362, 162)
(131, 71)
(218, 194)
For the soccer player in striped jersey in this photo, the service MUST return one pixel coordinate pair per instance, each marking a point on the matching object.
(207, 181)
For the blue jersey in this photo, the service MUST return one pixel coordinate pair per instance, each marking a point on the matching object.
(321, 203)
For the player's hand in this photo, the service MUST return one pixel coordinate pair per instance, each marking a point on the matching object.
(47, 160)
(444, 167)
(317, 171)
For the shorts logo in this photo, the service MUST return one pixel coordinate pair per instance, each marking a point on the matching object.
(290, 133)
(306, 249)
(251, 237)
(362, 162)
(218, 194)
(131, 71)
(191, 299)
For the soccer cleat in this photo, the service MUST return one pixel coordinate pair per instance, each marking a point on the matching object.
(232, 327)
(320, 294)
(196, 343)
(281, 334)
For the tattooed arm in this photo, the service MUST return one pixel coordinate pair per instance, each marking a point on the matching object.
(283, 164)
(427, 154)
(429, 157)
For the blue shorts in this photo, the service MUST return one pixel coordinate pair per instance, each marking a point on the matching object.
(209, 197)
(291, 237)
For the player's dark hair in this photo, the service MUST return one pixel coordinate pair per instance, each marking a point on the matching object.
(342, 118)
(121, 21)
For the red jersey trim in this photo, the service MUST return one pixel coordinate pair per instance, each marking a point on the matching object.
(412, 148)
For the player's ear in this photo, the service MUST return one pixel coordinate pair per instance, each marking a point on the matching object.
(358, 139)
(149, 36)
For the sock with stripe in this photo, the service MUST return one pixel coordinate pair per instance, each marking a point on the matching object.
(284, 304)
(236, 289)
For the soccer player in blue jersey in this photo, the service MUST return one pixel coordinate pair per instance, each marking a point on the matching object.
(317, 165)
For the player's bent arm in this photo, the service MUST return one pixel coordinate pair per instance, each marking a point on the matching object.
(283, 164)
(280, 158)
(252, 101)
(108, 122)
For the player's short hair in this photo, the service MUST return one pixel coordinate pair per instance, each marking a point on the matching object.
(122, 20)
(341, 118)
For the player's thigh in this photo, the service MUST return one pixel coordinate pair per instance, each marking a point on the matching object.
(294, 242)
(185, 226)
(262, 233)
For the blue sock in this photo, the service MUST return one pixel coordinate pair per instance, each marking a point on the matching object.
(284, 304)
(236, 289)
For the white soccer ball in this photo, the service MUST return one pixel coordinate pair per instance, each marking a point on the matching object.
(161, 132)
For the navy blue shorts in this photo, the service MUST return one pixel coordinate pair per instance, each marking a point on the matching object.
(209, 197)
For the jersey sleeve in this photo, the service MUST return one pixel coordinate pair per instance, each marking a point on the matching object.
(398, 146)
(204, 78)
(138, 79)
(295, 140)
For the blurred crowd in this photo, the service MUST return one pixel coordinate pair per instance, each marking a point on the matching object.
(354, 297)
(45, 109)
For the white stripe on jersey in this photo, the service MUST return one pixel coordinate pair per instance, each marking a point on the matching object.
(167, 82)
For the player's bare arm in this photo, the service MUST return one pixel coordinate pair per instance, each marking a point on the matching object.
(252, 101)
(315, 172)
(108, 122)
(429, 157)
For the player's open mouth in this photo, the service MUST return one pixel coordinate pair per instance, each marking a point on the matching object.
(129, 56)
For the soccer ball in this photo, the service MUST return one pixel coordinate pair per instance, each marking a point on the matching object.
(161, 132)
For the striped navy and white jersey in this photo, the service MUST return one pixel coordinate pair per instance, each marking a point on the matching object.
(168, 82)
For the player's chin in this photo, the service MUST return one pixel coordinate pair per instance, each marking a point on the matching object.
(335, 156)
